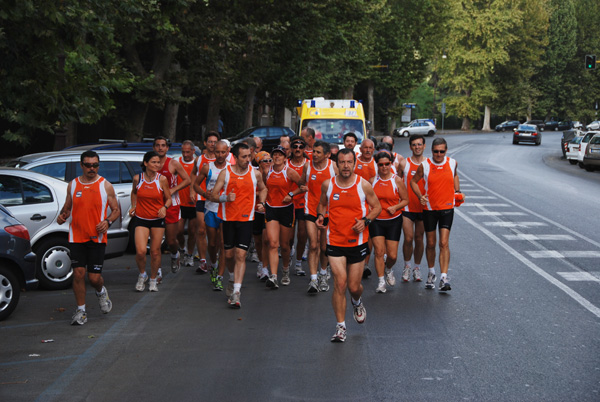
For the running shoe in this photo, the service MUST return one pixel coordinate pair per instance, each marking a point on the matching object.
(254, 257)
(430, 281)
(390, 279)
(313, 286)
(202, 267)
(141, 282)
(323, 285)
(213, 272)
(79, 318)
(188, 260)
(299, 270)
(381, 288)
(272, 282)
(234, 300)
(360, 313)
(445, 284)
(328, 272)
(159, 276)
(340, 334)
(104, 300)
(218, 284)
(229, 290)
(264, 275)
(366, 273)
(417, 274)
(406, 273)
(285, 278)
(153, 286)
(305, 254)
(259, 270)
(175, 264)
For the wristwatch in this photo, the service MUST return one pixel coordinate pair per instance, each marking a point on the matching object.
(291, 194)
(108, 221)
(367, 221)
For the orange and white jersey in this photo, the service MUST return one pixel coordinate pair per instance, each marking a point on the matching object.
(314, 179)
(388, 195)
(231, 159)
(172, 179)
(244, 187)
(201, 161)
(299, 198)
(184, 194)
(308, 153)
(345, 204)
(414, 205)
(439, 183)
(90, 204)
(149, 198)
(366, 170)
(278, 186)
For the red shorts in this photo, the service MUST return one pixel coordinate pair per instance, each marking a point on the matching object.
(173, 214)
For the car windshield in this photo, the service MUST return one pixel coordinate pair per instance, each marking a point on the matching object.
(576, 140)
(333, 130)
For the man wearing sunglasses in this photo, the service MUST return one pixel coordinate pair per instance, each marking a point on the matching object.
(440, 175)
(88, 198)
(297, 162)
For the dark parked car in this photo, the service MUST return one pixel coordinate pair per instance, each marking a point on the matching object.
(17, 262)
(527, 133)
(567, 136)
(268, 134)
(539, 123)
(508, 125)
(117, 145)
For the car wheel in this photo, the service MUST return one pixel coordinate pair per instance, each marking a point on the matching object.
(538, 143)
(589, 168)
(572, 161)
(581, 165)
(503, 129)
(515, 142)
(555, 128)
(10, 291)
(430, 133)
(53, 263)
(405, 134)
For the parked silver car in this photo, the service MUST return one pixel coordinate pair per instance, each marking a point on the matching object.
(423, 127)
(35, 199)
(591, 157)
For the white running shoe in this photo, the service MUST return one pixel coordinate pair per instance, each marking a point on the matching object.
(104, 300)
(381, 288)
(285, 278)
(153, 286)
(254, 257)
(141, 282)
(389, 277)
(406, 273)
(79, 318)
(417, 274)
(360, 313)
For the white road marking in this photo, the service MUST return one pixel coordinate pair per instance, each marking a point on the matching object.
(515, 224)
(580, 276)
(534, 237)
(479, 197)
(574, 295)
(476, 204)
(495, 213)
(563, 254)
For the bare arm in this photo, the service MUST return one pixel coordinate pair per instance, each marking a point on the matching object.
(415, 186)
(65, 212)
(322, 206)
(295, 177)
(261, 192)
(456, 180)
(374, 204)
(185, 178)
(136, 180)
(115, 210)
(164, 184)
(199, 179)
(403, 193)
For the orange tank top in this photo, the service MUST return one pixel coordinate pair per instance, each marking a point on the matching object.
(149, 198)
(314, 179)
(90, 204)
(184, 193)
(345, 204)
(278, 185)
(244, 187)
(388, 195)
(365, 169)
(298, 198)
(439, 184)
(172, 179)
(414, 205)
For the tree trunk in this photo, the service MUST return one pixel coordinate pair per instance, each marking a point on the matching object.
(466, 124)
(393, 118)
(371, 101)
(249, 109)
(486, 119)
(172, 111)
(136, 120)
(212, 115)
(348, 93)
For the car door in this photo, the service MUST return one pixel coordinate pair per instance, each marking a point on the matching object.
(33, 203)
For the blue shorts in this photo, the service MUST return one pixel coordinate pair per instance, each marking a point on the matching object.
(212, 220)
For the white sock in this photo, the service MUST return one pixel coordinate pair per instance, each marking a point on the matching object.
(260, 266)
(407, 264)
(342, 324)
(444, 276)
(432, 271)
(298, 263)
(145, 275)
(101, 292)
(82, 308)
(381, 280)
(323, 271)
(265, 271)
(416, 266)
(175, 256)
(152, 280)
(237, 287)
(355, 302)
(313, 277)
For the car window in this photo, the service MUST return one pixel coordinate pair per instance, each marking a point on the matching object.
(57, 169)
(260, 132)
(35, 193)
(126, 176)
(136, 167)
(10, 191)
(110, 171)
(595, 140)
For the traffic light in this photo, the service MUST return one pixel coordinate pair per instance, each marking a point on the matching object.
(590, 61)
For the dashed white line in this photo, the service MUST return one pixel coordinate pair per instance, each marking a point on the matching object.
(580, 276)
(496, 213)
(563, 254)
(534, 237)
(476, 204)
(515, 224)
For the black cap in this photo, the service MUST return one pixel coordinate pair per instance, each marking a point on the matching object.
(279, 148)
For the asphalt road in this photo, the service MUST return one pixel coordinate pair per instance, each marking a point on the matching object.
(521, 323)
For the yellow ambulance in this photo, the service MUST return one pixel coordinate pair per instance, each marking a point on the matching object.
(332, 118)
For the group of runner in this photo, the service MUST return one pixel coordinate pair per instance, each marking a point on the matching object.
(341, 207)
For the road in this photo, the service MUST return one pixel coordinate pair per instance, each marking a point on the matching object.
(522, 322)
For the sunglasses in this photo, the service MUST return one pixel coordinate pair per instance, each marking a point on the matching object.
(91, 165)
(384, 164)
(437, 151)
(298, 146)
(267, 160)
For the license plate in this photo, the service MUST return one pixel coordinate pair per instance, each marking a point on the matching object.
(525, 134)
